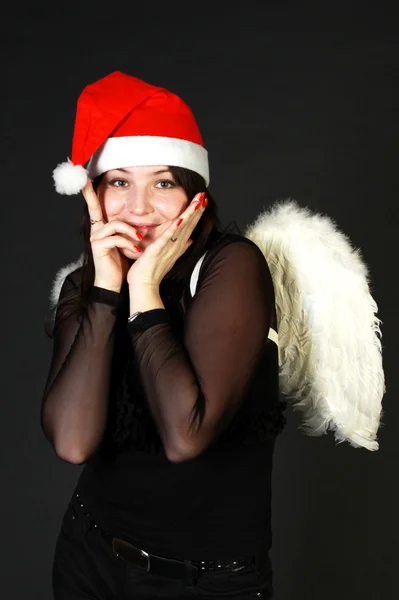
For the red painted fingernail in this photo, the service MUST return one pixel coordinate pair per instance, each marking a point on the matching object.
(205, 202)
(200, 199)
(179, 221)
(137, 249)
(141, 237)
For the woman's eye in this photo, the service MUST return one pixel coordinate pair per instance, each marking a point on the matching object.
(165, 183)
(118, 182)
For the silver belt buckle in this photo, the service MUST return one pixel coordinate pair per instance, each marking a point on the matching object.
(131, 554)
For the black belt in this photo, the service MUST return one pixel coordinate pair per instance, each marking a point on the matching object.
(170, 567)
(159, 565)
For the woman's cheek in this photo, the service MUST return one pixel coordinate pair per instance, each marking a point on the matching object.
(112, 206)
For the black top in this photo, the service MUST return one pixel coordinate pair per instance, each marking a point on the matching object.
(123, 394)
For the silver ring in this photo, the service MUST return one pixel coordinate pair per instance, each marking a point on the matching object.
(173, 239)
(92, 221)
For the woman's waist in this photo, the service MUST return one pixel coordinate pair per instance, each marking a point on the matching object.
(192, 515)
(200, 532)
(132, 478)
(162, 496)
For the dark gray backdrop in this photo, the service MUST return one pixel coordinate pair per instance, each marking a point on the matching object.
(292, 102)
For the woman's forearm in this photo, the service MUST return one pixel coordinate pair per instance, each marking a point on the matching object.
(75, 402)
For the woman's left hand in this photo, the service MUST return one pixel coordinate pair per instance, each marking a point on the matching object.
(159, 257)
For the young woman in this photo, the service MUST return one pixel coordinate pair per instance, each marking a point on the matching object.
(163, 381)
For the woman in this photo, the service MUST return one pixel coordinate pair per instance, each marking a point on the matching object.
(162, 381)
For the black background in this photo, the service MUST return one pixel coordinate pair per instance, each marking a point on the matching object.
(293, 101)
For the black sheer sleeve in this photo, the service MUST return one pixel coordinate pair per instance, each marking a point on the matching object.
(202, 379)
(75, 400)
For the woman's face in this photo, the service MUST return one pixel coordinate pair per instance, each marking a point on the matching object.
(142, 196)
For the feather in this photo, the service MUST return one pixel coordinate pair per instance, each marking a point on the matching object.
(328, 333)
(59, 279)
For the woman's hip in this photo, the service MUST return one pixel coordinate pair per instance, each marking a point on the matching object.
(90, 563)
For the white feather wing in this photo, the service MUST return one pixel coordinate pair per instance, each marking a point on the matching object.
(329, 334)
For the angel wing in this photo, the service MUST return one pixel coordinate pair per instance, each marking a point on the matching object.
(59, 279)
(329, 336)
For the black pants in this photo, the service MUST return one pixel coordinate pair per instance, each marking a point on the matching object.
(85, 568)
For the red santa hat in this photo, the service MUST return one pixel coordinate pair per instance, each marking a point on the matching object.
(122, 121)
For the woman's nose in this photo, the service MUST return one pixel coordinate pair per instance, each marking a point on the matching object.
(137, 200)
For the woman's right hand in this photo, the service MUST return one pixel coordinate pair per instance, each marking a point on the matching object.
(111, 266)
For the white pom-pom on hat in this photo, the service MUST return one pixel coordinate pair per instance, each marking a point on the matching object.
(69, 179)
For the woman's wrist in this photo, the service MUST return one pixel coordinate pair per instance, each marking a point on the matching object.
(106, 296)
(144, 298)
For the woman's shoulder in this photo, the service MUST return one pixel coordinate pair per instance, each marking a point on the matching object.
(232, 251)
(226, 238)
(231, 246)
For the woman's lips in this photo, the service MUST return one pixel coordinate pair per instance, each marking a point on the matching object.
(146, 232)
(144, 226)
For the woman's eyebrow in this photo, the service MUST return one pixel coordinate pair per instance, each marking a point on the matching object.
(161, 171)
(153, 173)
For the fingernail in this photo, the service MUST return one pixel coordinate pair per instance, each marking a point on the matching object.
(141, 237)
(205, 202)
(200, 199)
(179, 221)
(137, 249)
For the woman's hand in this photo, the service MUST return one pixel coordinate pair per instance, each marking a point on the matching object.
(159, 257)
(111, 266)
